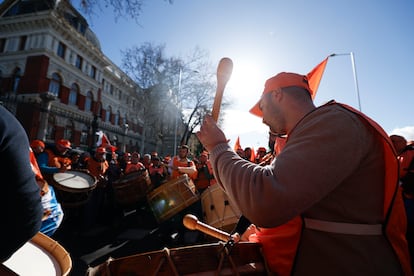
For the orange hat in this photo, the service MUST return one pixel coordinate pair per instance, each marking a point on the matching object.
(261, 149)
(281, 80)
(64, 143)
(37, 143)
(101, 150)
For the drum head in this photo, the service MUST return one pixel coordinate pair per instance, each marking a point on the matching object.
(131, 177)
(74, 181)
(40, 256)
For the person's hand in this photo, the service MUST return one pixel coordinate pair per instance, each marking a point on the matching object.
(249, 231)
(210, 135)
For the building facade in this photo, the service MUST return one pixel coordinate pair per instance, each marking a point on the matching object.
(59, 84)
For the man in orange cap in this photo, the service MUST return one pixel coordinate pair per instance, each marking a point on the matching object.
(54, 159)
(345, 232)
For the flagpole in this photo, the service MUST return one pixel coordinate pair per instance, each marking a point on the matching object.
(351, 54)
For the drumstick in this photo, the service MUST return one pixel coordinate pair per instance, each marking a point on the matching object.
(224, 70)
(192, 223)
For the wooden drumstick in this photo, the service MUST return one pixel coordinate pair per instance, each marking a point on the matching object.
(224, 70)
(192, 223)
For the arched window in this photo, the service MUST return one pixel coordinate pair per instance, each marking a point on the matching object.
(108, 114)
(69, 130)
(73, 94)
(84, 135)
(55, 84)
(88, 101)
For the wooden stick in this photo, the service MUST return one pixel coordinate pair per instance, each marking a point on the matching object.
(224, 70)
(192, 223)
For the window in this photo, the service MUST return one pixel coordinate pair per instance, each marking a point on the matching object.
(73, 94)
(88, 101)
(84, 135)
(111, 89)
(16, 79)
(54, 86)
(69, 130)
(61, 50)
(2, 44)
(79, 61)
(92, 72)
(22, 43)
(117, 116)
(108, 114)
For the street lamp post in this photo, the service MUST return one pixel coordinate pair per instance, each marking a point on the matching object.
(178, 111)
(351, 54)
(125, 128)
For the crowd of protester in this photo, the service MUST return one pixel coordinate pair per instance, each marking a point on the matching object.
(108, 167)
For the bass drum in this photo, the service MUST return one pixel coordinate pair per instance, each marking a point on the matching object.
(218, 210)
(242, 258)
(172, 197)
(40, 256)
(73, 188)
(131, 188)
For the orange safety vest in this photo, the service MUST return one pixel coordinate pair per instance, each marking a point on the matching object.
(187, 163)
(280, 243)
(57, 161)
(202, 181)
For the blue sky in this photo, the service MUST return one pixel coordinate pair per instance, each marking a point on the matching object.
(265, 37)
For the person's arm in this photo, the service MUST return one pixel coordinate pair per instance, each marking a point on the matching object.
(305, 172)
(42, 161)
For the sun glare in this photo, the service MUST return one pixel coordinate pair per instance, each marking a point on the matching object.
(246, 83)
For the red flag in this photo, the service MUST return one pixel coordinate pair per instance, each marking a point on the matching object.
(315, 76)
(237, 145)
(103, 141)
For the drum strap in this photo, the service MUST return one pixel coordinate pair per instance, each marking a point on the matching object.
(343, 228)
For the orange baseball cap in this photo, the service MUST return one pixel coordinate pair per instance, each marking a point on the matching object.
(64, 143)
(281, 80)
(37, 143)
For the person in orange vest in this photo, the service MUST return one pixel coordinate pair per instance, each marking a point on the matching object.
(337, 173)
(205, 175)
(158, 172)
(181, 164)
(135, 164)
(54, 158)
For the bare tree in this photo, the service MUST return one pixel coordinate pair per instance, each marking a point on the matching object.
(171, 85)
(129, 8)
